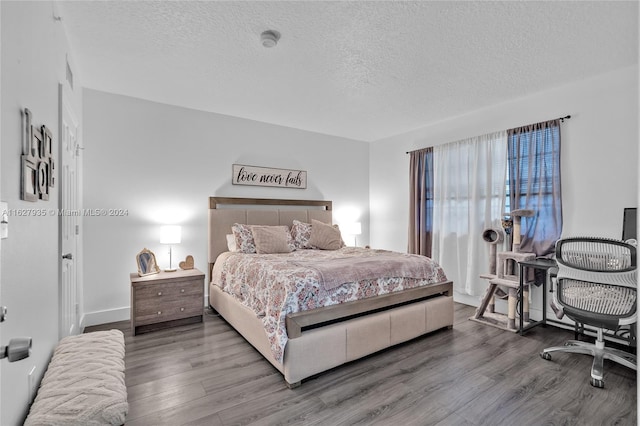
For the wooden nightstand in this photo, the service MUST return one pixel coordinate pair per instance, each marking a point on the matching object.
(166, 299)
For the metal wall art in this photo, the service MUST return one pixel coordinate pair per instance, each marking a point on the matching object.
(38, 165)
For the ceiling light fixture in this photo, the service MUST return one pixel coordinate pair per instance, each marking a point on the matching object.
(270, 38)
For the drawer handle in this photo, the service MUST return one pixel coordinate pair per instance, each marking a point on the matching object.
(159, 312)
(182, 290)
(181, 309)
(159, 293)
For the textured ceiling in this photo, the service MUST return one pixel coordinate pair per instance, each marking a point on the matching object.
(361, 70)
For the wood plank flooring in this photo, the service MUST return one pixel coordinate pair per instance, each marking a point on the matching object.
(207, 374)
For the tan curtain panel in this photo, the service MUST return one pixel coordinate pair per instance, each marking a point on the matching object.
(421, 201)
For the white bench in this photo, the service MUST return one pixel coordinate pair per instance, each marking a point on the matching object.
(84, 383)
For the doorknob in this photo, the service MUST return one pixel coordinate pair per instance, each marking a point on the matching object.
(68, 256)
(18, 348)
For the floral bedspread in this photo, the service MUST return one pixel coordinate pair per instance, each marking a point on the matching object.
(272, 287)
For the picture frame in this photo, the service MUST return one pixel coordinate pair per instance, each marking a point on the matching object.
(29, 183)
(147, 264)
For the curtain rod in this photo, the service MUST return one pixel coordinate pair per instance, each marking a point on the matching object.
(566, 117)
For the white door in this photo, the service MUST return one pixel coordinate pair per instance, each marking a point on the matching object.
(1, 315)
(69, 216)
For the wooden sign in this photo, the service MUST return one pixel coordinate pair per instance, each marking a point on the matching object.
(267, 176)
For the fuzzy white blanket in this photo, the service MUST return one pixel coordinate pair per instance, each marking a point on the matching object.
(84, 383)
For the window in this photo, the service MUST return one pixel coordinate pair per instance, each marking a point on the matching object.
(533, 183)
(462, 188)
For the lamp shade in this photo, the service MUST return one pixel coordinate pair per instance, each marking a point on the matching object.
(170, 234)
(353, 228)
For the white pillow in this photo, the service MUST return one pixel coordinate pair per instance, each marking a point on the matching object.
(231, 242)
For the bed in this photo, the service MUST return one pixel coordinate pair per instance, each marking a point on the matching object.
(339, 323)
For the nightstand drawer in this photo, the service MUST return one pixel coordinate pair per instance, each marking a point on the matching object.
(169, 312)
(166, 302)
(168, 290)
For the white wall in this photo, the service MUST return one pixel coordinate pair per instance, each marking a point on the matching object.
(599, 158)
(0, 199)
(161, 163)
(34, 49)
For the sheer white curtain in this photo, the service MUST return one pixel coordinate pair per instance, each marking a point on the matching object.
(470, 184)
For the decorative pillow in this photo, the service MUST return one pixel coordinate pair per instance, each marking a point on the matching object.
(324, 236)
(244, 238)
(271, 239)
(301, 233)
(245, 242)
(231, 242)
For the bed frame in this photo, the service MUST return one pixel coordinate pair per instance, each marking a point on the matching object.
(322, 338)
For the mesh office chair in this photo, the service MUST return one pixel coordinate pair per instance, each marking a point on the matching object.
(596, 285)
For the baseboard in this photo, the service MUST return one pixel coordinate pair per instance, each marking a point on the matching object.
(111, 315)
(501, 305)
(466, 299)
(104, 317)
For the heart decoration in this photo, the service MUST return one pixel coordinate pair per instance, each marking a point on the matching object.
(187, 263)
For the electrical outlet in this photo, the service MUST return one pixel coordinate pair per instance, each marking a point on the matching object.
(31, 384)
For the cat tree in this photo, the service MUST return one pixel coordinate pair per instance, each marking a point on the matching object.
(503, 271)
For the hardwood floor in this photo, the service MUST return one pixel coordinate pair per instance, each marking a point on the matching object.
(207, 374)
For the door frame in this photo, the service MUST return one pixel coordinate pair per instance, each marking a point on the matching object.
(65, 96)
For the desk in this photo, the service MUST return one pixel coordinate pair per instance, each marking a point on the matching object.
(542, 264)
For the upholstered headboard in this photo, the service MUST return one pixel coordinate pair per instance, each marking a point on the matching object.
(225, 211)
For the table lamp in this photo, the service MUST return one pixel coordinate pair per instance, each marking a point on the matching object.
(355, 229)
(170, 234)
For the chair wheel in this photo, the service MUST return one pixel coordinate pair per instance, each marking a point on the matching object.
(597, 383)
(545, 355)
